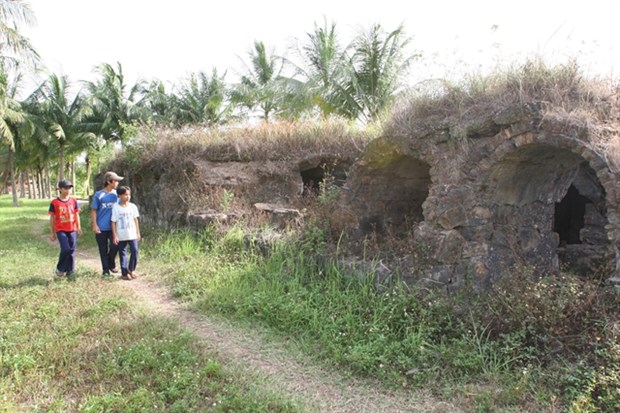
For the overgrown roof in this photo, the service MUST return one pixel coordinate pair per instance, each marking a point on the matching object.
(561, 90)
(273, 141)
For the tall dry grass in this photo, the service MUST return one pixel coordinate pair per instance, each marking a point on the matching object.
(561, 90)
(266, 141)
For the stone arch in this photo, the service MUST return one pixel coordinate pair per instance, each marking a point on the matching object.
(390, 194)
(549, 202)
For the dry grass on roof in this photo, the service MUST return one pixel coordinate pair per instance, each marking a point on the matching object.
(563, 90)
(267, 141)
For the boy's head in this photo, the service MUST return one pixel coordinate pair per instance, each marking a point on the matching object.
(122, 190)
(124, 193)
(111, 179)
(65, 184)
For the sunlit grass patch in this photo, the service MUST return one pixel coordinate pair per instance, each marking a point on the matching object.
(82, 343)
(487, 352)
(458, 344)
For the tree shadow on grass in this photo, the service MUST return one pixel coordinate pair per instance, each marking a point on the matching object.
(46, 281)
(28, 282)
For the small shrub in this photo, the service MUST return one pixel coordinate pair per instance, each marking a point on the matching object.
(554, 314)
(597, 389)
(329, 194)
(226, 200)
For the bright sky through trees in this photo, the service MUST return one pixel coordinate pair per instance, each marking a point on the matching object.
(168, 40)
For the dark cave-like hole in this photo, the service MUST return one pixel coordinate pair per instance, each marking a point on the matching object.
(312, 179)
(569, 217)
(324, 177)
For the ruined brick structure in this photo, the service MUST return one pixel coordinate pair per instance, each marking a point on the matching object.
(516, 188)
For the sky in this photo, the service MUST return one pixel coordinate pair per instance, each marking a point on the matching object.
(169, 40)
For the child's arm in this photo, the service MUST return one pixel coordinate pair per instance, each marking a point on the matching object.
(137, 228)
(114, 236)
(52, 232)
(78, 224)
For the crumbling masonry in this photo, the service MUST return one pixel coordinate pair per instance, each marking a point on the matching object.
(515, 188)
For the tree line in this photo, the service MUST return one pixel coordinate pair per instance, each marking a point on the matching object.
(43, 134)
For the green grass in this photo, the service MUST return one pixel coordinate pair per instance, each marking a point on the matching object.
(81, 345)
(487, 353)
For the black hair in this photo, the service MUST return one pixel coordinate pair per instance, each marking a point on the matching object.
(122, 189)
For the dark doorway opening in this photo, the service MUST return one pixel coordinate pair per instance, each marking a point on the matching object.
(323, 177)
(312, 180)
(569, 217)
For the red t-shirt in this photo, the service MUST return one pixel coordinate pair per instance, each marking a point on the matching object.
(64, 214)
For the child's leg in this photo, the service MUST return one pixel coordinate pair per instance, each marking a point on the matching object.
(102, 243)
(122, 253)
(133, 261)
(72, 239)
(64, 258)
(112, 251)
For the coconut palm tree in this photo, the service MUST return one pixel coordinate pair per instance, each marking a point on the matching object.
(356, 82)
(379, 65)
(261, 87)
(114, 106)
(34, 152)
(10, 111)
(58, 116)
(15, 47)
(324, 69)
(156, 101)
(11, 116)
(202, 99)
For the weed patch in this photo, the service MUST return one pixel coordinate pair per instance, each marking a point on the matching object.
(409, 336)
(80, 344)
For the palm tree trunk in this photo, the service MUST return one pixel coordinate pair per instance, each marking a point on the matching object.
(43, 183)
(36, 178)
(12, 177)
(87, 181)
(44, 192)
(31, 194)
(26, 175)
(48, 181)
(61, 163)
(73, 176)
(22, 185)
(35, 183)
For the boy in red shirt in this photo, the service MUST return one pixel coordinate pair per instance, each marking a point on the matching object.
(65, 225)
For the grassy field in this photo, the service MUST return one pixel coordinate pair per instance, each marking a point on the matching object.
(79, 345)
(548, 344)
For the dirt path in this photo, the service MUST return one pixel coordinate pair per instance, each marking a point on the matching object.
(318, 389)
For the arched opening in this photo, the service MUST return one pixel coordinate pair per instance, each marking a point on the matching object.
(548, 211)
(569, 216)
(327, 173)
(393, 195)
(312, 179)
